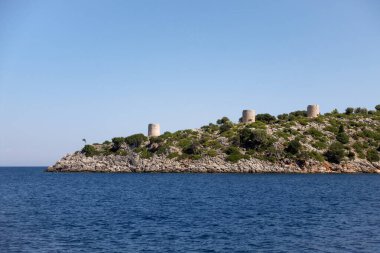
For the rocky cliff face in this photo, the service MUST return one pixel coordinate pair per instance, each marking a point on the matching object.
(132, 162)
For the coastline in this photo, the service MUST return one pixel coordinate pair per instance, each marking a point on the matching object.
(132, 163)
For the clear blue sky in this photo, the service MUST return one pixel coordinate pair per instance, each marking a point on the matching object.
(99, 69)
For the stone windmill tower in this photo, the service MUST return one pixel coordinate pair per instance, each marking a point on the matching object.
(153, 130)
(313, 111)
(248, 116)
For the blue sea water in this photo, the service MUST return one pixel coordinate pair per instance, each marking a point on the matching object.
(85, 212)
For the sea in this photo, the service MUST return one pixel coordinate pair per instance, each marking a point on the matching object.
(164, 212)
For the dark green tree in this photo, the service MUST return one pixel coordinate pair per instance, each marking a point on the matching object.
(335, 153)
(135, 140)
(342, 137)
(293, 147)
(223, 121)
(349, 110)
(266, 117)
(373, 155)
(254, 139)
(89, 150)
(117, 142)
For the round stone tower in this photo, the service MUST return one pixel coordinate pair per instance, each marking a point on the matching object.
(248, 116)
(153, 130)
(313, 111)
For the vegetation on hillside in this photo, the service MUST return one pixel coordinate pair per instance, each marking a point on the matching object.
(334, 137)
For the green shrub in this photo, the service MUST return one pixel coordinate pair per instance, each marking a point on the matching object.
(135, 140)
(163, 149)
(195, 157)
(349, 110)
(265, 117)
(377, 107)
(303, 121)
(331, 129)
(298, 113)
(293, 147)
(256, 139)
(192, 149)
(360, 110)
(283, 116)
(212, 153)
(117, 142)
(173, 155)
(319, 145)
(373, 155)
(257, 125)
(335, 153)
(370, 134)
(282, 134)
(215, 144)
(144, 153)
(89, 150)
(184, 143)
(121, 152)
(225, 127)
(315, 133)
(106, 142)
(342, 137)
(223, 120)
(315, 156)
(232, 150)
(351, 155)
(211, 128)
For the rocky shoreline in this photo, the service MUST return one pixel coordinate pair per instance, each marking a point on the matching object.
(132, 163)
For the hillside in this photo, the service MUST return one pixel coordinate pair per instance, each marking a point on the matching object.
(334, 142)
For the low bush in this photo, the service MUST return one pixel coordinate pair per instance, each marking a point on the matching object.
(315, 133)
(373, 155)
(212, 153)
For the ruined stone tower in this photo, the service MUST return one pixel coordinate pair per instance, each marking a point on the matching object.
(153, 130)
(313, 111)
(248, 116)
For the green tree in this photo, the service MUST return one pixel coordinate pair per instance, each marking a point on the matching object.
(377, 107)
(117, 142)
(266, 117)
(335, 153)
(373, 155)
(223, 121)
(254, 139)
(349, 110)
(360, 110)
(342, 137)
(89, 150)
(293, 147)
(193, 148)
(299, 113)
(283, 116)
(234, 154)
(135, 140)
(226, 126)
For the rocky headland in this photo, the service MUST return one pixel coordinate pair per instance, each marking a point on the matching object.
(336, 142)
